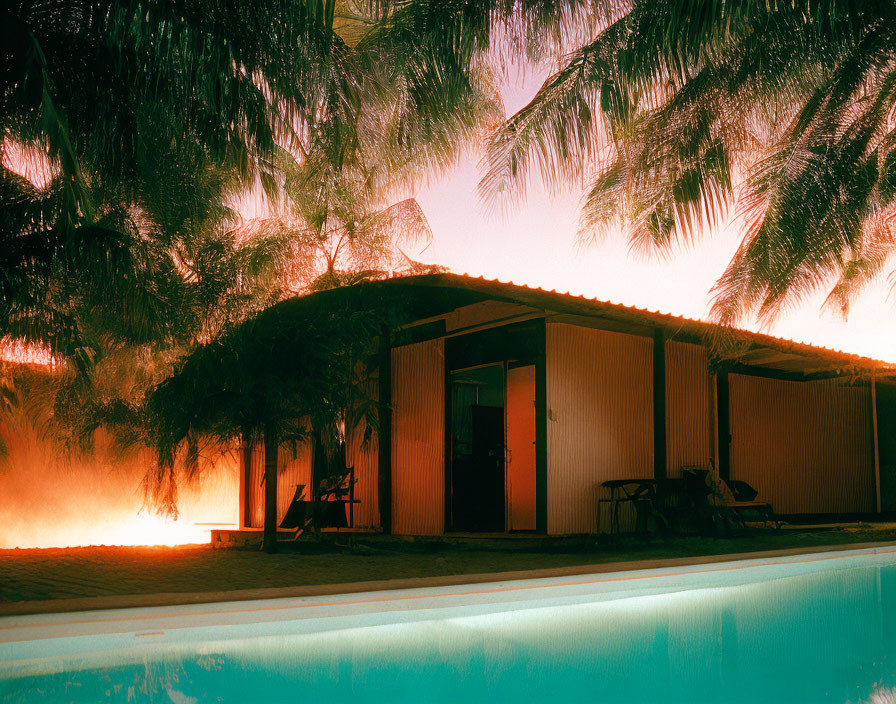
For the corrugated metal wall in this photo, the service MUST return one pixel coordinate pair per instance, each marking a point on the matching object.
(689, 425)
(418, 439)
(600, 419)
(293, 467)
(805, 446)
(293, 470)
(290, 471)
(366, 464)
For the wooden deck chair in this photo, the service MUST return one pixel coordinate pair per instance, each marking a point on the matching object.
(740, 498)
(339, 491)
(297, 514)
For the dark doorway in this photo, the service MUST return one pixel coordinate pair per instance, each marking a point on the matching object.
(477, 444)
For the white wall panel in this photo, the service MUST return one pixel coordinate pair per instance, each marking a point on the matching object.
(600, 419)
(805, 446)
(418, 439)
(689, 425)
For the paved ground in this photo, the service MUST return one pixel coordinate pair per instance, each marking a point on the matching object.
(35, 575)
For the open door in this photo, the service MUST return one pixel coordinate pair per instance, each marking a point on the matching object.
(520, 490)
(476, 482)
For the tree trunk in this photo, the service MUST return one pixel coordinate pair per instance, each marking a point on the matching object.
(271, 442)
(318, 472)
(246, 483)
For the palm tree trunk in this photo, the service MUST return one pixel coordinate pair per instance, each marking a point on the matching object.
(271, 442)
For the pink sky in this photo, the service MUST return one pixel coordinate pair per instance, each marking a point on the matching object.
(536, 244)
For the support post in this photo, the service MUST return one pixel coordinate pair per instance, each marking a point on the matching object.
(877, 496)
(384, 437)
(541, 431)
(724, 419)
(659, 404)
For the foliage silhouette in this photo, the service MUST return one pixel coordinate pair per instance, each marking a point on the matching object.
(676, 110)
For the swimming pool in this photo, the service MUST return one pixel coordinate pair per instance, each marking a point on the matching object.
(811, 628)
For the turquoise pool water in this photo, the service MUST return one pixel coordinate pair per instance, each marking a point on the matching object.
(814, 628)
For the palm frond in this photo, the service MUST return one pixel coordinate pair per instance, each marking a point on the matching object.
(784, 110)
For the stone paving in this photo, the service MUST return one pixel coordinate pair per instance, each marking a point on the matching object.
(30, 575)
(104, 571)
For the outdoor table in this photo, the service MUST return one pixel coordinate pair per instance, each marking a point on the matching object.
(639, 492)
(662, 499)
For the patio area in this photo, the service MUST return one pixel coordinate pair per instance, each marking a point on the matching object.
(54, 580)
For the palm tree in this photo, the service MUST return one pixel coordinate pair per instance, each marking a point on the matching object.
(127, 106)
(146, 118)
(343, 214)
(130, 106)
(299, 366)
(676, 110)
(89, 80)
(123, 297)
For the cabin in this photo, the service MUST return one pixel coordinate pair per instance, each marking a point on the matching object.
(503, 409)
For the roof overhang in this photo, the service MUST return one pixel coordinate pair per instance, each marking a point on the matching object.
(430, 296)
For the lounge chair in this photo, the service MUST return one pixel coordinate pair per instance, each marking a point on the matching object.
(297, 514)
(334, 494)
(740, 499)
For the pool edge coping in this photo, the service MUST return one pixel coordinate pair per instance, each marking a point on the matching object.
(126, 601)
